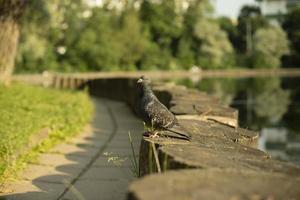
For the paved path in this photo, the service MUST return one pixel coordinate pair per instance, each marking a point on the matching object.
(79, 169)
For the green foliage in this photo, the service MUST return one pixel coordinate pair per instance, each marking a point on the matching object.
(222, 88)
(249, 21)
(163, 31)
(260, 101)
(227, 25)
(95, 48)
(26, 110)
(270, 44)
(271, 100)
(72, 36)
(137, 34)
(132, 39)
(155, 58)
(292, 26)
(203, 43)
(51, 26)
(215, 50)
(185, 54)
(162, 20)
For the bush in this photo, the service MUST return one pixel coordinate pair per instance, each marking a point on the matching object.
(270, 44)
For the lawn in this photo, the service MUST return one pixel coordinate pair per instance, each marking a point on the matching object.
(27, 112)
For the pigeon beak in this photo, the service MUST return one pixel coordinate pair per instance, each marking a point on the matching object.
(140, 80)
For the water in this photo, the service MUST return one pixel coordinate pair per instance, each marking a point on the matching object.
(269, 105)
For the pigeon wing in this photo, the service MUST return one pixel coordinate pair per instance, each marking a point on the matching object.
(159, 115)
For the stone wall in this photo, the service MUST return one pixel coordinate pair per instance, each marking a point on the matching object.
(220, 162)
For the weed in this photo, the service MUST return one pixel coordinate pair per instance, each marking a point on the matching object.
(134, 162)
(118, 161)
(115, 160)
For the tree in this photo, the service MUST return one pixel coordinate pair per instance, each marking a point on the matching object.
(163, 29)
(188, 48)
(161, 18)
(35, 52)
(155, 58)
(10, 13)
(198, 9)
(292, 26)
(185, 54)
(250, 20)
(203, 42)
(271, 100)
(132, 39)
(270, 44)
(224, 89)
(215, 50)
(49, 31)
(227, 25)
(98, 47)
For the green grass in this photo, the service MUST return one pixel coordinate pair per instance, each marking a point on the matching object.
(25, 111)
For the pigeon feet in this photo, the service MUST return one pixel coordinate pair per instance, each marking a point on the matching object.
(151, 134)
(154, 134)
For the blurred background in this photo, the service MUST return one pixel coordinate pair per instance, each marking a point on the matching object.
(129, 35)
(109, 35)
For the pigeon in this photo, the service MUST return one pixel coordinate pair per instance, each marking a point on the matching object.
(154, 113)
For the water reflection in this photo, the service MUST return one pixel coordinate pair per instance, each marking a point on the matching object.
(269, 105)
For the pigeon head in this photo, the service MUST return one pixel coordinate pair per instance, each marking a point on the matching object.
(143, 81)
(144, 87)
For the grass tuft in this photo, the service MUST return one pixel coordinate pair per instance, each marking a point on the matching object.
(134, 162)
(25, 111)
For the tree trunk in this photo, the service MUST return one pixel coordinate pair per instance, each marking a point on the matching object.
(9, 35)
(10, 13)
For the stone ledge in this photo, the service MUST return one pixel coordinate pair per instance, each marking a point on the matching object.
(220, 162)
(215, 184)
(219, 150)
(194, 104)
(207, 153)
(225, 166)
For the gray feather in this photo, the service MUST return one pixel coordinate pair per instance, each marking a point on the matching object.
(154, 113)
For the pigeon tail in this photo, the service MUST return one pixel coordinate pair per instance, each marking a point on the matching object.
(179, 130)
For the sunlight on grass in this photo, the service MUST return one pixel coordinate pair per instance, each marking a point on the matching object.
(25, 111)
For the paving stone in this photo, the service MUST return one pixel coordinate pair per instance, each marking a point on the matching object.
(49, 174)
(125, 139)
(133, 122)
(74, 149)
(122, 151)
(103, 180)
(88, 142)
(122, 144)
(101, 132)
(103, 161)
(98, 190)
(67, 159)
(34, 190)
(103, 126)
(103, 173)
(94, 131)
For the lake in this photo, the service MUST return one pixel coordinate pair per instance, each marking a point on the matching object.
(270, 105)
